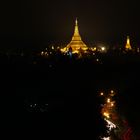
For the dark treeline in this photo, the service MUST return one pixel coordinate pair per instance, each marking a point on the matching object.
(70, 87)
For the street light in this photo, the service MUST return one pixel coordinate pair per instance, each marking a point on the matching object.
(103, 48)
(101, 93)
(112, 91)
(108, 100)
(106, 114)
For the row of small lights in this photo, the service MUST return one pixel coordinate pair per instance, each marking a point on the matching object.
(106, 114)
(108, 101)
(102, 49)
(47, 53)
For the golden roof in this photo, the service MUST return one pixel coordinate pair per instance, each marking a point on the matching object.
(76, 43)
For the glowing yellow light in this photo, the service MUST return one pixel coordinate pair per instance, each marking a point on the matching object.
(108, 100)
(42, 53)
(138, 50)
(103, 48)
(101, 93)
(94, 49)
(112, 91)
(46, 53)
(106, 114)
(75, 51)
(52, 47)
(64, 50)
(112, 104)
(128, 45)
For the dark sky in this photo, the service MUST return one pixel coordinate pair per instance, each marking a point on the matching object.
(39, 22)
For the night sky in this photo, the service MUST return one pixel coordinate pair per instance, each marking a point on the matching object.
(26, 23)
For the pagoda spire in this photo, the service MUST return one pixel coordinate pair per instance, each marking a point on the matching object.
(76, 30)
(128, 45)
(76, 22)
(76, 44)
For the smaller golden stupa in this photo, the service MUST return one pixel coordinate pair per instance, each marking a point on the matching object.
(128, 45)
(76, 43)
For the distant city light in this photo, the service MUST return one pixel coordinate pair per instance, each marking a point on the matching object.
(112, 104)
(108, 100)
(42, 53)
(46, 53)
(94, 49)
(106, 114)
(103, 48)
(97, 60)
(101, 93)
(112, 91)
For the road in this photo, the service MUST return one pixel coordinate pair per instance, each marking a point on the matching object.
(113, 119)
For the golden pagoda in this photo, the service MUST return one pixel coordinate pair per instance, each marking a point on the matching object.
(76, 43)
(128, 45)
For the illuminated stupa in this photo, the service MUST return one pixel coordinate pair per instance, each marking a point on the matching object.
(76, 43)
(128, 45)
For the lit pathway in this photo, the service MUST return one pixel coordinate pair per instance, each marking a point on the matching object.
(120, 128)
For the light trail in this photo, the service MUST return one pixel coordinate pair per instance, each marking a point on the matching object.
(108, 112)
(106, 138)
(110, 125)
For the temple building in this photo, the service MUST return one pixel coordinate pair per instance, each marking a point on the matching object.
(76, 45)
(128, 45)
